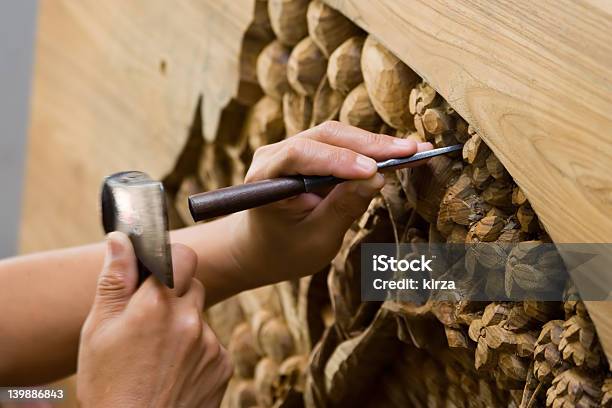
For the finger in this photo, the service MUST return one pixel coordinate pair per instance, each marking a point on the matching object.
(213, 350)
(345, 204)
(295, 208)
(184, 262)
(118, 279)
(195, 295)
(299, 155)
(374, 145)
(215, 360)
(299, 207)
(422, 147)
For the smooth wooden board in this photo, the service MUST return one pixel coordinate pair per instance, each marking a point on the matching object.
(535, 79)
(115, 87)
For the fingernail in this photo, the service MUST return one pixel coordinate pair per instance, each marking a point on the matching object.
(114, 246)
(365, 163)
(402, 142)
(426, 145)
(370, 188)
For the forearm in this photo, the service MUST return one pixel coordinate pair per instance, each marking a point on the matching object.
(237, 253)
(45, 298)
(222, 274)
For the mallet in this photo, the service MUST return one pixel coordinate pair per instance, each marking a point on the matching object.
(135, 204)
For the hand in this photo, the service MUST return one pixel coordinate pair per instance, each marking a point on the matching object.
(149, 346)
(299, 236)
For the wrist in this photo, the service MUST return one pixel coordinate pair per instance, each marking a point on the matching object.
(221, 266)
(258, 249)
(245, 248)
(268, 250)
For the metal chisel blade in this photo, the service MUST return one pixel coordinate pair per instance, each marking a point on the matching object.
(402, 161)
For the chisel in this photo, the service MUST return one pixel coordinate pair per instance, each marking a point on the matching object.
(232, 199)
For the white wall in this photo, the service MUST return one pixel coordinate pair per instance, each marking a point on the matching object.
(17, 30)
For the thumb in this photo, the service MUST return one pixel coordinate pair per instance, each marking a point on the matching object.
(118, 279)
(345, 203)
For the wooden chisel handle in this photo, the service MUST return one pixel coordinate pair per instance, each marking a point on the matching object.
(232, 199)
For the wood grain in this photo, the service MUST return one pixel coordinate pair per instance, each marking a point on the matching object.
(116, 86)
(535, 80)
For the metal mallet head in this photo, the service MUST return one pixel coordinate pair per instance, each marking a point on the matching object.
(135, 204)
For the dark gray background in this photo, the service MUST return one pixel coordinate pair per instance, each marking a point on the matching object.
(17, 31)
